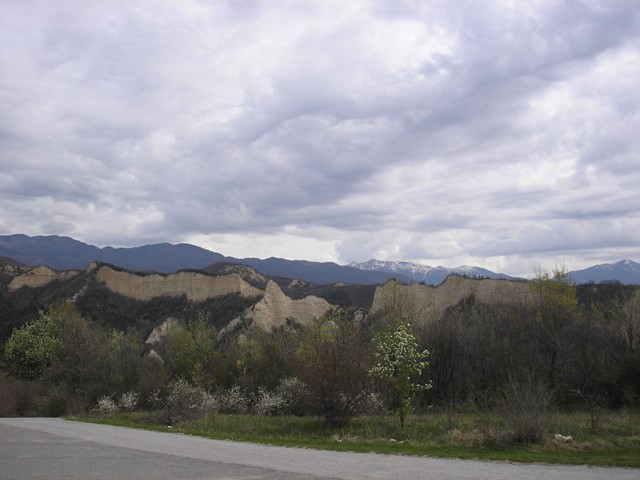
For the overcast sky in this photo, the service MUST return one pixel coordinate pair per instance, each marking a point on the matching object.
(501, 134)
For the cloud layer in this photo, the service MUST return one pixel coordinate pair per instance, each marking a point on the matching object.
(502, 134)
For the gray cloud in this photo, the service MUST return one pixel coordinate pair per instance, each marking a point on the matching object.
(501, 134)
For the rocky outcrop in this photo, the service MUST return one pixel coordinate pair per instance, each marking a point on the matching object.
(296, 283)
(248, 273)
(39, 277)
(196, 286)
(275, 308)
(453, 290)
(158, 333)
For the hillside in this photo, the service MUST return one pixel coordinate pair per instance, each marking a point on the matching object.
(234, 293)
(124, 300)
(194, 323)
(104, 291)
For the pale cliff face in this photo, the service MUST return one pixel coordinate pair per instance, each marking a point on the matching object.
(275, 308)
(453, 290)
(196, 286)
(38, 277)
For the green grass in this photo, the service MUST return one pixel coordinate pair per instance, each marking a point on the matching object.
(615, 441)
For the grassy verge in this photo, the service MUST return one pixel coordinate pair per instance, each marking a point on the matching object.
(615, 441)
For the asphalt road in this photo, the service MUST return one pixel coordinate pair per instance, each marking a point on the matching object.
(49, 448)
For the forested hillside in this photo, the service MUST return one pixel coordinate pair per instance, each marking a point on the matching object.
(579, 344)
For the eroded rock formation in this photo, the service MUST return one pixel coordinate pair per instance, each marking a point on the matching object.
(248, 273)
(454, 289)
(40, 276)
(275, 308)
(158, 333)
(196, 286)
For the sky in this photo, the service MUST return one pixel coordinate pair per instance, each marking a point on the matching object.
(502, 134)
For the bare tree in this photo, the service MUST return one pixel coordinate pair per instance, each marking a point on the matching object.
(333, 362)
(631, 321)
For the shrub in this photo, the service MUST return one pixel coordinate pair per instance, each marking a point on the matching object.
(128, 401)
(524, 407)
(372, 404)
(155, 400)
(55, 402)
(209, 404)
(106, 405)
(269, 403)
(185, 400)
(295, 394)
(333, 361)
(234, 400)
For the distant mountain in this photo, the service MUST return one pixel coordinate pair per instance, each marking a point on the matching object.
(425, 273)
(315, 272)
(66, 253)
(624, 271)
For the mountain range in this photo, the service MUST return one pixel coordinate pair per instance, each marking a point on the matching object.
(66, 253)
(624, 271)
(425, 273)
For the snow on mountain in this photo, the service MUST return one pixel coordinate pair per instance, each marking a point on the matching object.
(415, 270)
(425, 273)
(625, 271)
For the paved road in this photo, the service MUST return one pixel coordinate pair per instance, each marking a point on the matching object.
(46, 448)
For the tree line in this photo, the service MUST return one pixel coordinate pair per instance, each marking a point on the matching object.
(578, 345)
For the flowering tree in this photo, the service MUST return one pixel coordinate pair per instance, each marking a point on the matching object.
(397, 362)
(32, 347)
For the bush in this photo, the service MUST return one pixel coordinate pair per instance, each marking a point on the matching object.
(372, 404)
(128, 401)
(55, 405)
(155, 400)
(524, 406)
(234, 400)
(333, 360)
(185, 400)
(269, 403)
(106, 405)
(295, 394)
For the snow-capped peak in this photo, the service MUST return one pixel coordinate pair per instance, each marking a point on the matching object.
(424, 273)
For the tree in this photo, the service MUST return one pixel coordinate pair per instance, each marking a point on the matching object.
(189, 351)
(444, 336)
(333, 361)
(556, 313)
(81, 363)
(397, 362)
(631, 321)
(31, 348)
(123, 359)
(257, 361)
(68, 352)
